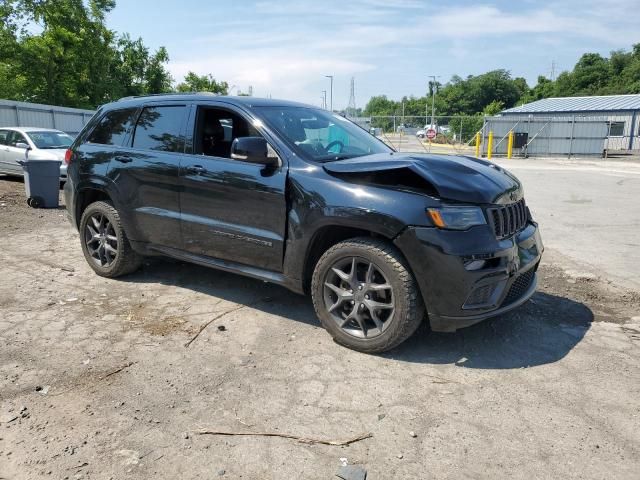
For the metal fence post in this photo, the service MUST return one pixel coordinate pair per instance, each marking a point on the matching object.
(632, 131)
(490, 145)
(573, 125)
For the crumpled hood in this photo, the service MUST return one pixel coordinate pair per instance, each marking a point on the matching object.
(456, 178)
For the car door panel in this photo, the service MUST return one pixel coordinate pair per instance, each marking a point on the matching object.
(13, 154)
(147, 181)
(4, 136)
(233, 210)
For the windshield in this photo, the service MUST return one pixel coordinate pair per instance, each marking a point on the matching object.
(47, 140)
(320, 135)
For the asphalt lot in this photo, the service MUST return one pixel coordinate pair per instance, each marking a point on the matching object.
(96, 381)
(589, 210)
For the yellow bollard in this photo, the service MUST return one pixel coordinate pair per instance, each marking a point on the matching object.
(510, 145)
(490, 145)
(478, 144)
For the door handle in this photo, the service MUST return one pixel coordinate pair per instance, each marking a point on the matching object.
(123, 159)
(197, 169)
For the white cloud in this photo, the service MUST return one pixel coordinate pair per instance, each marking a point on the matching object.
(285, 47)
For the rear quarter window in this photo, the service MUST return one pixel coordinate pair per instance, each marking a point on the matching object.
(113, 127)
(160, 128)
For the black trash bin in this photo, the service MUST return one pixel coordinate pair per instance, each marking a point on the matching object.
(42, 182)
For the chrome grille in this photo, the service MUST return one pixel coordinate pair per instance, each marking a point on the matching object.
(508, 219)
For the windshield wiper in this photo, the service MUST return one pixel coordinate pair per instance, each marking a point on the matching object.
(334, 158)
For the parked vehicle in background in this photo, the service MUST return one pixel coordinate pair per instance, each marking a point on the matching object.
(304, 198)
(20, 143)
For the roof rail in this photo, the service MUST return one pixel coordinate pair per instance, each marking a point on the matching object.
(131, 97)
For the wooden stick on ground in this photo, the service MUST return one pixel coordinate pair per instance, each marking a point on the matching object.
(117, 370)
(238, 307)
(310, 441)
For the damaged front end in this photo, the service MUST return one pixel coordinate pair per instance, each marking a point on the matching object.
(476, 252)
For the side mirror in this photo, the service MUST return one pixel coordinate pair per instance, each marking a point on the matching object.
(253, 150)
(23, 145)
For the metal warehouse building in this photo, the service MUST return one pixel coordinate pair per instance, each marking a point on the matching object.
(21, 114)
(569, 126)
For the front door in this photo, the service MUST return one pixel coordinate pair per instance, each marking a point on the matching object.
(12, 154)
(231, 210)
(4, 137)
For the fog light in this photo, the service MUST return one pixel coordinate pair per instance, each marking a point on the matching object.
(475, 265)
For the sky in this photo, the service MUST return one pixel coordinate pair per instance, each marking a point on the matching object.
(285, 48)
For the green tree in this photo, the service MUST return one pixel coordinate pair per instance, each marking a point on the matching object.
(73, 59)
(202, 83)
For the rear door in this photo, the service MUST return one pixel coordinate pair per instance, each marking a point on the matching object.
(146, 173)
(231, 210)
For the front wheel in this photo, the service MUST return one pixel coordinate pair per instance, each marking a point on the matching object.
(104, 242)
(365, 295)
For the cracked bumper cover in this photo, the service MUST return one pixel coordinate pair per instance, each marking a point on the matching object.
(457, 297)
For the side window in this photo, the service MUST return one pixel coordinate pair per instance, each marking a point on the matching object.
(617, 129)
(113, 127)
(4, 136)
(216, 129)
(160, 128)
(15, 137)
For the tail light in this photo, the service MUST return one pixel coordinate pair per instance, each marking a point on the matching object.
(67, 157)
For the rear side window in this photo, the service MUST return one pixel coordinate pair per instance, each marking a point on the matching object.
(160, 128)
(3, 137)
(113, 127)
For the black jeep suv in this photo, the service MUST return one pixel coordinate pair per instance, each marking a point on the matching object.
(302, 197)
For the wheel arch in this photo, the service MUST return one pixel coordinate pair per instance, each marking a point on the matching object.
(326, 237)
(86, 196)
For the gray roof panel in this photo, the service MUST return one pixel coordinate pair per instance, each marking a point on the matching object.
(607, 103)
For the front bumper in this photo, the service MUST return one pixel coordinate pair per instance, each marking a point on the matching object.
(457, 296)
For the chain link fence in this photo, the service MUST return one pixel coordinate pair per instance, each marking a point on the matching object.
(566, 135)
(454, 134)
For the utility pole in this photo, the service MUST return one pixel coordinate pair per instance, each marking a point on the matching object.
(331, 92)
(433, 100)
(324, 99)
(351, 109)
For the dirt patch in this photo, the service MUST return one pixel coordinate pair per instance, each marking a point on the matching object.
(96, 381)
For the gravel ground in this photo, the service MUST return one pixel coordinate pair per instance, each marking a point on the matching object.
(96, 381)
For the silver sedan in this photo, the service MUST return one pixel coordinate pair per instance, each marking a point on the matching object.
(21, 143)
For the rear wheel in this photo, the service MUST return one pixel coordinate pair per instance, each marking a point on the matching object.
(365, 295)
(104, 242)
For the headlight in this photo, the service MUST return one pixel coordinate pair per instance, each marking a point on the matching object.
(456, 218)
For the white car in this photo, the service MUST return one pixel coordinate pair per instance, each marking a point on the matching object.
(20, 143)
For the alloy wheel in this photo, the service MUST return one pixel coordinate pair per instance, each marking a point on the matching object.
(101, 240)
(358, 297)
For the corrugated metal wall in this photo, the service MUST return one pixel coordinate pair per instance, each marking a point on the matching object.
(563, 135)
(22, 114)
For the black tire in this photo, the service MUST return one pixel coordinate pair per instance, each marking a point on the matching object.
(35, 202)
(123, 258)
(408, 311)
